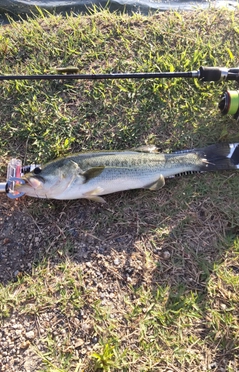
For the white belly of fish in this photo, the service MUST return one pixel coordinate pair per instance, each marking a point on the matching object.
(109, 181)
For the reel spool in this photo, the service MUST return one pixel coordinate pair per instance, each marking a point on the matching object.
(229, 103)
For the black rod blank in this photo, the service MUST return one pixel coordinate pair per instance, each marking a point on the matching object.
(204, 74)
(145, 75)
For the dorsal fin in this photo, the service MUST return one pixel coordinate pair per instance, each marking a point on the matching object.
(146, 148)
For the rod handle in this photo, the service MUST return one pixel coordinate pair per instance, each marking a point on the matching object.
(211, 73)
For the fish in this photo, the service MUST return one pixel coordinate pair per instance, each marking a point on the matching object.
(89, 175)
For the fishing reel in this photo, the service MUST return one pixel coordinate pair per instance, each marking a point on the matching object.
(229, 103)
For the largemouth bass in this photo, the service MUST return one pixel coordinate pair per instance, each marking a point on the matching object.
(93, 174)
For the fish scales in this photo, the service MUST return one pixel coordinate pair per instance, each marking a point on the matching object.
(131, 160)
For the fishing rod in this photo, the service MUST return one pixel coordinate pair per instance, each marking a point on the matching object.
(70, 73)
(229, 102)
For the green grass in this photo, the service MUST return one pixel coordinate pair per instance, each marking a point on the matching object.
(170, 303)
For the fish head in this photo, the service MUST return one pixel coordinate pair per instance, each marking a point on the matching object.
(50, 181)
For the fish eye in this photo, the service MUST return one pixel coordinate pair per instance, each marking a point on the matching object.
(37, 170)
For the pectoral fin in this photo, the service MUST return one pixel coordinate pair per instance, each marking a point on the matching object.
(93, 195)
(92, 173)
(97, 199)
(157, 185)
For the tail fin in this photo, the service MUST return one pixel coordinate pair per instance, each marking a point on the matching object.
(222, 156)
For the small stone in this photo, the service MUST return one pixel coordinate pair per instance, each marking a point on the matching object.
(83, 351)
(116, 262)
(76, 322)
(30, 335)
(16, 326)
(85, 327)
(166, 255)
(79, 343)
(95, 340)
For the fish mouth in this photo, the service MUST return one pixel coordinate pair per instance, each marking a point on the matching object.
(31, 186)
(34, 182)
(29, 183)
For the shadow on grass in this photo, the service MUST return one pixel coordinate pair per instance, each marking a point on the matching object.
(171, 255)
